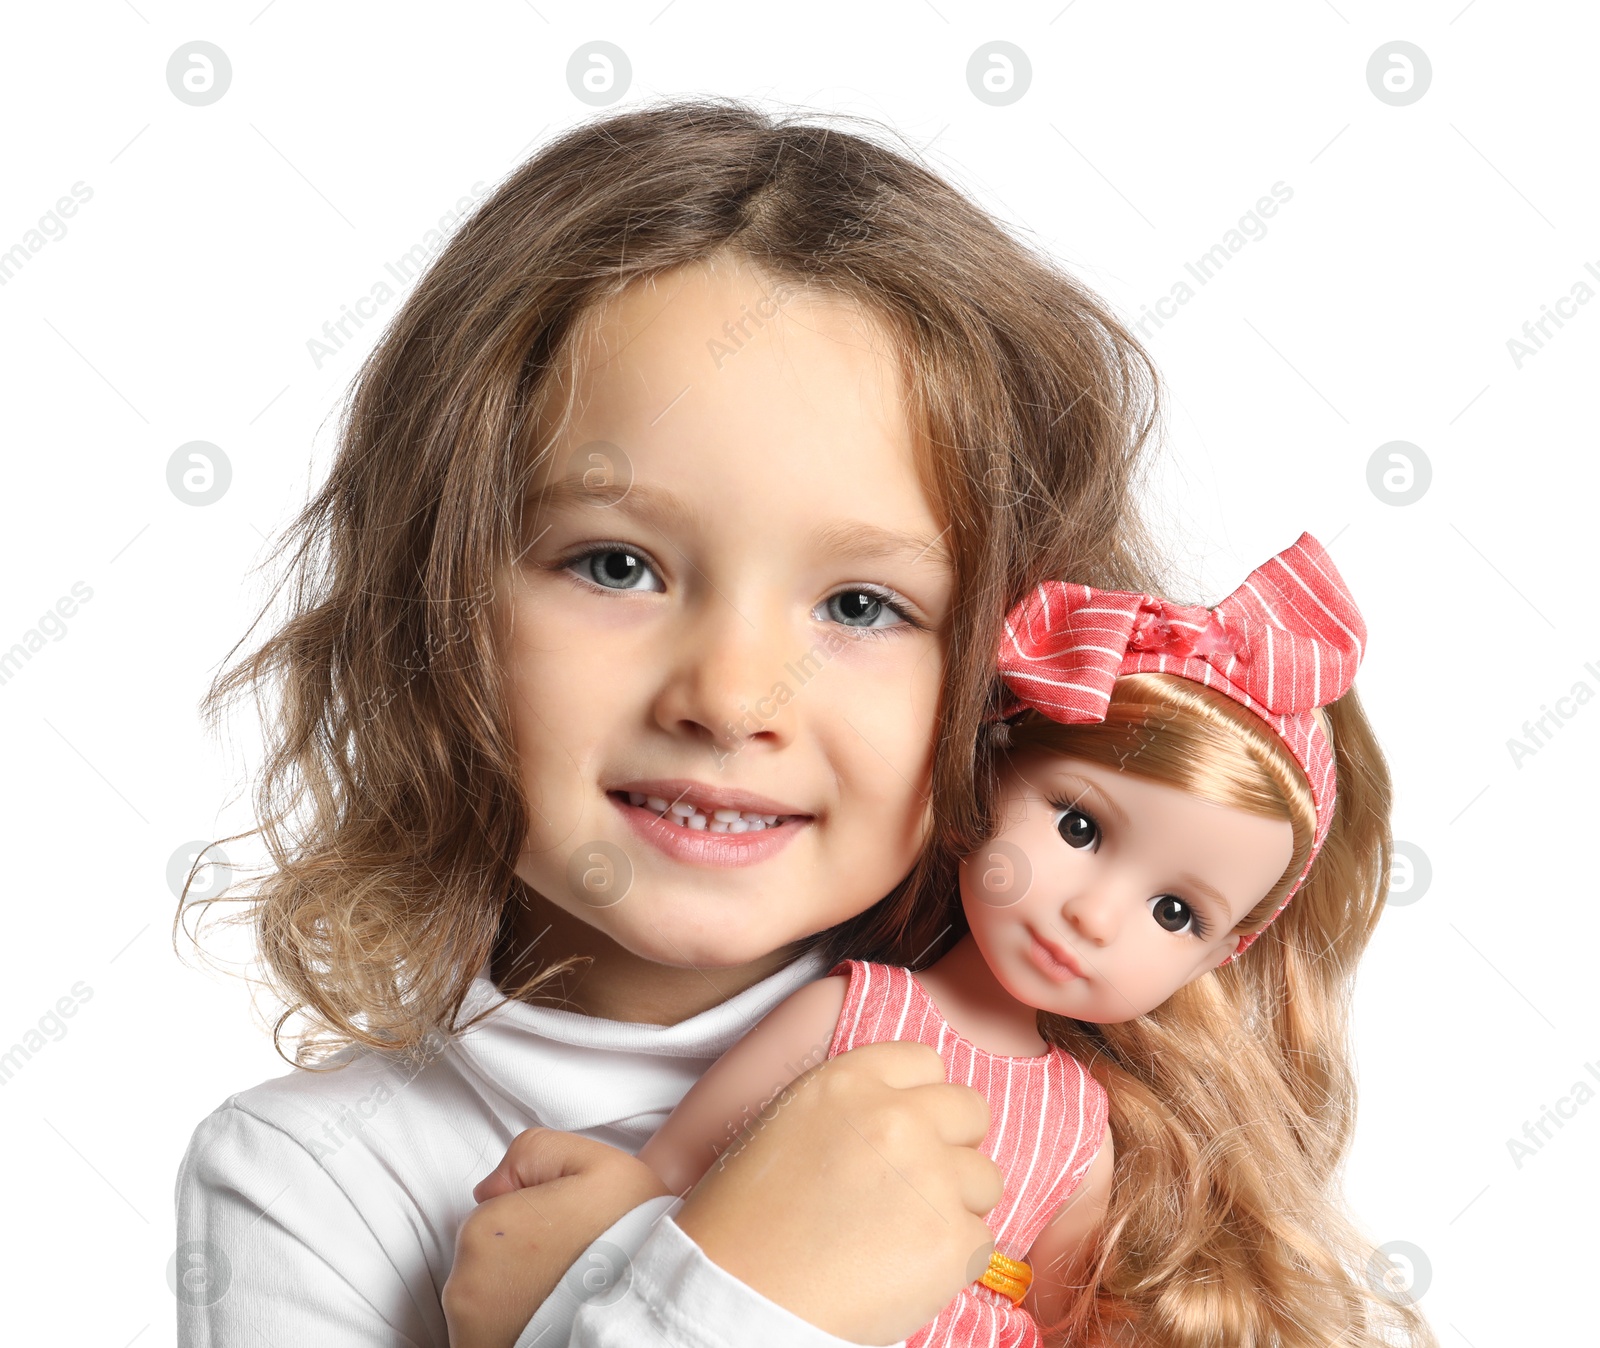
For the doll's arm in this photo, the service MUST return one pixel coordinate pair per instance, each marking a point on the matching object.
(790, 1039)
(1060, 1254)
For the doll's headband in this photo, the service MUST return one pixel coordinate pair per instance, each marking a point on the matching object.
(1287, 640)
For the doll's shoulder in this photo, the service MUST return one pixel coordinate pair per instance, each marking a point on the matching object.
(1085, 1099)
(816, 1004)
(866, 978)
(798, 1032)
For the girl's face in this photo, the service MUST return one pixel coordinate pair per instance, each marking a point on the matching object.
(736, 603)
(1104, 893)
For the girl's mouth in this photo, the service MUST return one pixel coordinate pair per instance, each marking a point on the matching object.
(687, 815)
(723, 838)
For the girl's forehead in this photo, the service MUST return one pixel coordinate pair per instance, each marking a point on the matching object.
(715, 383)
(726, 301)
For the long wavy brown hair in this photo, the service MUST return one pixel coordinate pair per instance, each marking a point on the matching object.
(1233, 1103)
(389, 801)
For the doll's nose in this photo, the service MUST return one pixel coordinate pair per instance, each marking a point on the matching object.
(1094, 913)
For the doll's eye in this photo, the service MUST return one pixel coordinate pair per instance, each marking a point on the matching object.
(1173, 914)
(614, 568)
(1077, 828)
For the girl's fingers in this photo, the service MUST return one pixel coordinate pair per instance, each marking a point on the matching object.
(979, 1181)
(538, 1156)
(895, 1062)
(960, 1114)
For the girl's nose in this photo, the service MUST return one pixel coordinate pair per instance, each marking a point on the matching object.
(730, 683)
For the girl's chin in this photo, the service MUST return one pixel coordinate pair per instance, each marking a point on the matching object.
(687, 946)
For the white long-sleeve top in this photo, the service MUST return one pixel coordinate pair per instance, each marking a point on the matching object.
(322, 1207)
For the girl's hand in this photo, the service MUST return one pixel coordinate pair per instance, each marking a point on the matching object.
(859, 1206)
(551, 1194)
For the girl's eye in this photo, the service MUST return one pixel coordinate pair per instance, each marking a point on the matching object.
(615, 569)
(863, 609)
(1173, 914)
(1077, 828)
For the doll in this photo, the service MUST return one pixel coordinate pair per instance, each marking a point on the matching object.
(1108, 888)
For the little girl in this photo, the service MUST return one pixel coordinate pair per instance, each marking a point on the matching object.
(704, 461)
(1171, 786)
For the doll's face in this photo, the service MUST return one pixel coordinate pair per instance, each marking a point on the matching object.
(1132, 889)
(760, 611)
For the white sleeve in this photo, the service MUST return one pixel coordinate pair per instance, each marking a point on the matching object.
(669, 1293)
(594, 1273)
(271, 1249)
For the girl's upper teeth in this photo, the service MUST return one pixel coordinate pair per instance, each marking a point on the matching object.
(689, 815)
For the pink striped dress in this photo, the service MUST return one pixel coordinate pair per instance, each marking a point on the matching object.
(1047, 1115)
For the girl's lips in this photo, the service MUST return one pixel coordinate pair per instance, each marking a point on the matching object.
(1056, 965)
(705, 795)
(700, 847)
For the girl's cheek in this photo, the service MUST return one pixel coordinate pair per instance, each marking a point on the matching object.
(564, 636)
(556, 601)
(896, 678)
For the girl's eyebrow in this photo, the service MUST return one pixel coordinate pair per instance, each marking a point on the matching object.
(655, 506)
(874, 542)
(662, 508)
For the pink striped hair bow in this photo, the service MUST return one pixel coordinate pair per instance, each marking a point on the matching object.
(1287, 640)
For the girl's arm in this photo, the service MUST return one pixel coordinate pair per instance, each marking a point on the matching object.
(1060, 1254)
(770, 1250)
(737, 1091)
(511, 1254)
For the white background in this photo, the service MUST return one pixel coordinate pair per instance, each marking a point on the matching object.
(1418, 240)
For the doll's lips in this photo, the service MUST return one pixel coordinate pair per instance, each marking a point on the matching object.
(1054, 961)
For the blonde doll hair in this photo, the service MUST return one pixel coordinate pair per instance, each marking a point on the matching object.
(389, 798)
(1233, 1103)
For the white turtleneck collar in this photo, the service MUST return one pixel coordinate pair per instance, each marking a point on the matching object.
(610, 1079)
